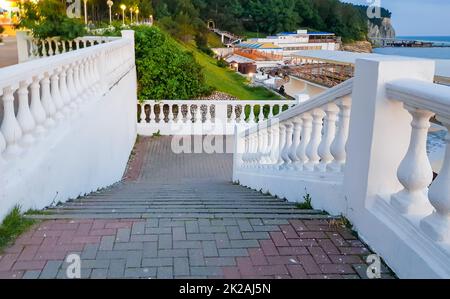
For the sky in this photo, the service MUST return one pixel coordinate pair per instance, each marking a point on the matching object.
(416, 17)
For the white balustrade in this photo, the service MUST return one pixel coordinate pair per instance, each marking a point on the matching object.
(339, 142)
(49, 90)
(200, 112)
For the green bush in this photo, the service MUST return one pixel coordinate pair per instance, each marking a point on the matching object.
(222, 63)
(48, 18)
(165, 70)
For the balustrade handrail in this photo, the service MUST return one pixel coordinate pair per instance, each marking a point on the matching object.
(328, 96)
(421, 95)
(222, 102)
(11, 76)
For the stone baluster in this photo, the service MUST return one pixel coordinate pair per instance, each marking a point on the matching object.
(274, 144)
(188, 118)
(36, 108)
(83, 80)
(268, 149)
(233, 114)
(287, 145)
(241, 118)
(316, 136)
(170, 113)
(208, 114)
(57, 47)
(50, 48)
(47, 102)
(305, 138)
(198, 114)
(261, 113)
(71, 87)
(56, 97)
(331, 111)
(160, 117)
(338, 146)
(264, 146)
(63, 44)
(246, 151)
(44, 48)
(63, 90)
(254, 149)
(152, 113)
(270, 115)
(77, 81)
(142, 115)
(281, 144)
(24, 116)
(297, 127)
(2, 145)
(251, 116)
(10, 127)
(415, 172)
(437, 225)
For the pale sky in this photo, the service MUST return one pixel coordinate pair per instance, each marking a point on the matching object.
(416, 17)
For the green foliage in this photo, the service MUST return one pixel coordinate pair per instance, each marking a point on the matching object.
(222, 63)
(12, 226)
(306, 204)
(47, 18)
(165, 70)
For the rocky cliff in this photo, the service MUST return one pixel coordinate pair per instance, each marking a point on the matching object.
(381, 28)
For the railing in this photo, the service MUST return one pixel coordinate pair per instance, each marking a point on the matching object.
(32, 48)
(51, 90)
(360, 149)
(304, 138)
(171, 117)
(428, 199)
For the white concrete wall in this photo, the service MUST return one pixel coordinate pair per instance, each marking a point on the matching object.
(82, 154)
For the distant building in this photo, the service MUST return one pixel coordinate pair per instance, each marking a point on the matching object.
(287, 43)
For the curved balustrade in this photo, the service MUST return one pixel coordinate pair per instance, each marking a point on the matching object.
(310, 137)
(51, 90)
(424, 100)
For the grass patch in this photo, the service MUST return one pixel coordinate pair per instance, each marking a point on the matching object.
(228, 81)
(306, 204)
(38, 212)
(214, 40)
(157, 134)
(12, 226)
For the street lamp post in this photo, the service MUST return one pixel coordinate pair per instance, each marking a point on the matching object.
(123, 7)
(131, 15)
(85, 12)
(137, 15)
(110, 4)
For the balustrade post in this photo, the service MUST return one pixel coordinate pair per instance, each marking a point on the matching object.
(153, 114)
(241, 118)
(338, 145)
(36, 108)
(331, 111)
(316, 136)
(197, 115)
(71, 87)
(274, 144)
(56, 95)
(437, 224)
(251, 116)
(281, 144)
(24, 116)
(64, 93)
(297, 123)
(188, 118)
(170, 113)
(287, 145)
(142, 116)
(415, 172)
(10, 127)
(305, 137)
(261, 113)
(47, 102)
(232, 119)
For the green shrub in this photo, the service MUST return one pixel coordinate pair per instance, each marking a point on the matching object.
(222, 63)
(165, 70)
(48, 18)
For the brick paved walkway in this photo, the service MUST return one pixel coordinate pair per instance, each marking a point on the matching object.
(177, 216)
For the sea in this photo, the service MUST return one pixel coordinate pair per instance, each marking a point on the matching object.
(435, 142)
(432, 53)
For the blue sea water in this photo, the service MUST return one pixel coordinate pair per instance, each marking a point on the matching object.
(432, 53)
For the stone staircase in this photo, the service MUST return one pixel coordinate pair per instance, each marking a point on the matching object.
(208, 199)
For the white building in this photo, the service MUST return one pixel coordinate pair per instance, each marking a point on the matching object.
(287, 43)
